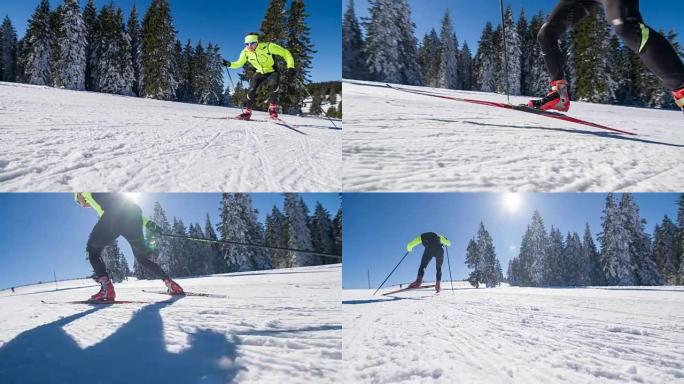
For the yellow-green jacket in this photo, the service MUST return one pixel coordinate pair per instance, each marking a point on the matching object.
(262, 57)
(428, 239)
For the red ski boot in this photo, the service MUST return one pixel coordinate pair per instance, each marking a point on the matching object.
(106, 291)
(438, 287)
(416, 284)
(245, 115)
(679, 98)
(173, 288)
(558, 99)
(273, 111)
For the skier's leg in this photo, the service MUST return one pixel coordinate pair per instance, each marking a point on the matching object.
(103, 233)
(254, 84)
(132, 231)
(653, 49)
(273, 89)
(566, 15)
(439, 258)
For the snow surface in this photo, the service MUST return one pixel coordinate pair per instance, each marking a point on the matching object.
(60, 140)
(280, 326)
(397, 141)
(515, 335)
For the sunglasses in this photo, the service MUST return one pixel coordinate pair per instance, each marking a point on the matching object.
(248, 44)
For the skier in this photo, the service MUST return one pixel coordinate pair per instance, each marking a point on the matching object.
(260, 56)
(433, 248)
(120, 216)
(653, 49)
(12, 289)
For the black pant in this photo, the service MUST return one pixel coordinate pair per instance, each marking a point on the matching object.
(127, 222)
(428, 254)
(657, 54)
(273, 81)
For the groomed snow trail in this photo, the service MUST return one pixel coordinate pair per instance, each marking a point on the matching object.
(280, 326)
(515, 335)
(61, 140)
(397, 141)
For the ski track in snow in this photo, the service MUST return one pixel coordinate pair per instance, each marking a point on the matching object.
(515, 335)
(397, 141)
(61, 140)
(280, 326)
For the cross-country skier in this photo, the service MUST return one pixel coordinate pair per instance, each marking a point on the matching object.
(260, 56)
(433, 248)
(653, 49)
(119, 216)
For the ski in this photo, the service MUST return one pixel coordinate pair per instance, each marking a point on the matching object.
(283, 123)
(407, 289)
(91, 302)
(200, 294)
(229, 118)
(520, 108)
(275, 120)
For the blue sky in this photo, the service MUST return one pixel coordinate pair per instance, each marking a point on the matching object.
(224, 22)
(43, 232)
(469, 17)
(378, 226)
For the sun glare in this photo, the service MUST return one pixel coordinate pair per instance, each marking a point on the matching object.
(512, 202)
(134, 197)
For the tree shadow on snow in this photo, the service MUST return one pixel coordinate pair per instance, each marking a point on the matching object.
(608, 135)
(134, 353)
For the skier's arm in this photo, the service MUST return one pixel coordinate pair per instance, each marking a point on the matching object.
(241, 61)
(284, 53)
(444, 241)
(413, 243)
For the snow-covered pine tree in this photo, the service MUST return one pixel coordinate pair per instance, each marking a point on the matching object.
(200, 78)
(232, 228)
(72, 41)
(485, 246)
(298, 232)
(216, 262)
(179, 249)
(575, 265)
(646, 270)
(353, 60)
(114, 261)
(90, 21)
(680, 238)
(429, 58)
(114, 68)
(615, 239)
(536, 249)
(383, 47)
(465, 73)
(484, 63)
(526, 44)
(38, 47)
(215, 75)
(473, 260)
(56, 18)
(299, 43)
(665, 250)
(259, 258)
(590, 45)
(276, 236)
(134, 33)
(514, 51)
(197, 255)
(337, 229)
(274, 26)
(322, 236)
(555, 259)
(158, 37)
(537, 82)
(8, 51)
(513, 272)
(164, 248)
(408, 44)
(448, 69)
(594, 269)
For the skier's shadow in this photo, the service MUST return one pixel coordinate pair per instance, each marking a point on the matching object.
(135, 353)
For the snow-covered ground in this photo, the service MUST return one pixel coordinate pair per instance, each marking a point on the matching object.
(397, 141)
(280, 326)
(60, 140)
(515, 335)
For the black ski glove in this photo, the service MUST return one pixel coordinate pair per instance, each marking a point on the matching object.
(226, 63)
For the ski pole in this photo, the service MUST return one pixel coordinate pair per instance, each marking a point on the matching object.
(449, 264)
(232, 84)
(503, 25)
(251, 245)
(308, 93)
(390, 274)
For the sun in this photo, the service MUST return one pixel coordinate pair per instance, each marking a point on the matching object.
(511, 201)
(134, 197)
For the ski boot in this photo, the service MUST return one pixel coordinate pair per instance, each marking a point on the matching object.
(106, 291)
(679, 97)
(438, 287)
(172, 288)
(417, 283)
(558, 99)
(245, 115)
(273, 111)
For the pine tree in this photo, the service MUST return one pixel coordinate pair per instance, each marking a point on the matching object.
(164, 248)
(298, 232)
(134, 33)
(448, 70)
(8, 51)
(114, 68)
(490, 269)
(614, 240)
(408, 44)
(72, 41)
(429, 57)
(594, 269)
(274, 26)
(473, 260)
(590, 43)
(382, 48)
(533, 251)
(555, 259)
(276, 236)
(216, 263)
(299, 44)
(513, 49)
(56, 21)
(322, 233)
(536, 77)
(315, 108)
(90, 21)
(644, 265)
(215, 75)
(337, 230)
(680, 238)
(353, 59)
(526, 44)
(573, 261)
(199, 70)
(180, 249)
(38, 47)
(484, 63)
(158, 37)
(115, 262)
(465, 73)
(665, 250)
